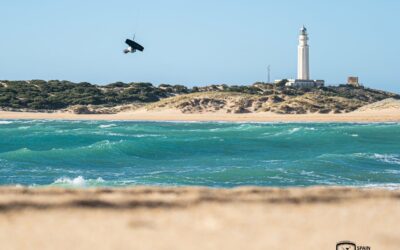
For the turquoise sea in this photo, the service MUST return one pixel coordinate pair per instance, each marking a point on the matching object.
(122, 153)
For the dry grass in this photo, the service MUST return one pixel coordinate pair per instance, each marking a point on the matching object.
(232, 102)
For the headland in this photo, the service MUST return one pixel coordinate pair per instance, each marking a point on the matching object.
(260, 102)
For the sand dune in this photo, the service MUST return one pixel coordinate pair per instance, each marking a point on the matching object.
(387, 104)
(197, 218)
(223, 107)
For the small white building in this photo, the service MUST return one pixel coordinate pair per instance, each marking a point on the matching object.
(305, 83)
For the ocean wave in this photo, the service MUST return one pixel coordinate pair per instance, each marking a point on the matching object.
(24, 127)
(294, 130)
(310, 129)
(107, 125)
(308, 173)
(77, 182)
(386, 158)
(388, 186)
(5, 122)
(101, 145)
(105, 147)
(235, 127)
(392, 171)
(272, 161)
(145, 135)
(127, 135)
(284, 132)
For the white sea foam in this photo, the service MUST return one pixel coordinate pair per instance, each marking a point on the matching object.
(388, 186)
(24, 127)
(392, 171)
(5, 122)
(272, 161)
(282, 170)
(145, 135)
(103, 144)
(287, 132)
(310, 129)
(107, 125)
(388, 158)
(115, 134)
(294, 130)
(276, 177)
(308, 173)
(77, 182)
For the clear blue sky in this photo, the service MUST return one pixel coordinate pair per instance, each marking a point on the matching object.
(199, 42)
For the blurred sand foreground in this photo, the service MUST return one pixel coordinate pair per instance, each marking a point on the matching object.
(198, 218)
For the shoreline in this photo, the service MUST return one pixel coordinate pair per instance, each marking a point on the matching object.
(197, 218)
(382, 187)
(392, 115)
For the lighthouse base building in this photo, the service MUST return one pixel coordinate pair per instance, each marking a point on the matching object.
(305, 83)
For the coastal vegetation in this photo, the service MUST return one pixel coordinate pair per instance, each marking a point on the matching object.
(54, 95)
(39, 95)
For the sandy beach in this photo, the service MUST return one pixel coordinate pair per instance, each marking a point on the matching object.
(197, 218)
(200, 218)
(386, 115)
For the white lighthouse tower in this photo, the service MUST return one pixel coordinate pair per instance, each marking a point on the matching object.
(303, 64)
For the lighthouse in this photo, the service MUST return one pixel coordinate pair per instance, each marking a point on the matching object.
(303, 79)
(303, 55)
